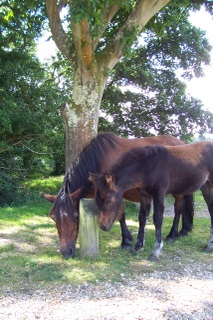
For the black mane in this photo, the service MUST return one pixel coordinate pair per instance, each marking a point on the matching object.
(89, 160)
(139, 156)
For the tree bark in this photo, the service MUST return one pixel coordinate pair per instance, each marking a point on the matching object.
(82, 112)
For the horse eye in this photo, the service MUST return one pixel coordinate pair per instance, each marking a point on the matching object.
(108, 198)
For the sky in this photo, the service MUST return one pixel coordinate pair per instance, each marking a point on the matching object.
(201, 88)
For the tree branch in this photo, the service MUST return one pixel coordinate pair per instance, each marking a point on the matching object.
(140, 15)
(59, 35)
(18, 140)
(83, 42)
(107, 17)
(62, 4)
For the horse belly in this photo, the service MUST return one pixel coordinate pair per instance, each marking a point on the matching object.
(188, 184)
(133, 195)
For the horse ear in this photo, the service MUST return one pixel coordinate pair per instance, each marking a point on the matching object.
(48, 197)
(93, 177)
(110, 179)
(76, 195)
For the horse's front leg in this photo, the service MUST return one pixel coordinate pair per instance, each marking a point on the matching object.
(125, 233)
(145, 206)
(158, 202)
(177, 209)
(207, 191)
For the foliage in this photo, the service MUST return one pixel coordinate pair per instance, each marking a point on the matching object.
(31, 95)
(30, 126)
(145, 95)
(157, 101)
(20, 23)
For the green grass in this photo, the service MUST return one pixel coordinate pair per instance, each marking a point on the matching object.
(29, 243)
(44, 185)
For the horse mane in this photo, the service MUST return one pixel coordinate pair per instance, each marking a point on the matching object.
(77, 176)
(89, 160)
(142, 155)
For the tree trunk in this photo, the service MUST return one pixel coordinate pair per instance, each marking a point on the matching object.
(81, 113)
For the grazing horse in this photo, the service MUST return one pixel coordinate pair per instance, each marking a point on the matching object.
(156, 171)
(98, 157)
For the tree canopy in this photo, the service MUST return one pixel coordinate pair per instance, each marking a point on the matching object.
(33, 96)
(29, 99)
(157, 102)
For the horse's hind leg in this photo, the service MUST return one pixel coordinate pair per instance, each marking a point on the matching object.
(125, 233)
(177, 209)
(187, 214)
(207, 191)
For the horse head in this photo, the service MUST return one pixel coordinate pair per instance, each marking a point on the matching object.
(109, 198)
(66, 216)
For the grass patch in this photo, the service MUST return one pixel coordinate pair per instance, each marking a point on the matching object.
(29, 242)
(43, 184)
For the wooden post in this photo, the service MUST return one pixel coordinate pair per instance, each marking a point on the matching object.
(88, 228)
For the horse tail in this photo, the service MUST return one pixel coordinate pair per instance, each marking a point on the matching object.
(187, 214)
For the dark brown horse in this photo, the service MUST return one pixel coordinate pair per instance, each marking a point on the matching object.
(156, 171)
(99, 156)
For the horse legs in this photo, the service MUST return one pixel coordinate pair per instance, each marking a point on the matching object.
(187, 214)
(207, 191)
(177, 209)
(145, 206)
(158, 201)
(125, 233)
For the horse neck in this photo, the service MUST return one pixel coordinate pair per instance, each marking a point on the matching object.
(129, 177)
(138, 166)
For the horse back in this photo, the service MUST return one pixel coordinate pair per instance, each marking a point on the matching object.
(163, 140)
(120, 146)
(190, 166)
(194, 154)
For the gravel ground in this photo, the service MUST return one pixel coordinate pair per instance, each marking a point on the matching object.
(185, 293)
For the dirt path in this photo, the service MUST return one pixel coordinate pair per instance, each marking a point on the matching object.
(186, 293)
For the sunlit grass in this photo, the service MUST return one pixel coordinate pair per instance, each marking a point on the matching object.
(44, 185)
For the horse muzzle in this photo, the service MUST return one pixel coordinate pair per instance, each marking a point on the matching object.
(68, 252)
(105, 225)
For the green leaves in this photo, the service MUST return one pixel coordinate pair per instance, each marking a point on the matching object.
(145, 95)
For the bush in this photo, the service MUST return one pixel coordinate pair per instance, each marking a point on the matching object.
(12, 191)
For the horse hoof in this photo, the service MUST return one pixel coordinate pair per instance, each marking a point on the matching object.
(183, 233)
(134, 251)
(170, 239)
(152, 257)
(208, 249)
(126, 247)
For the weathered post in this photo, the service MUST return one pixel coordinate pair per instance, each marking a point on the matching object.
(88, 228)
